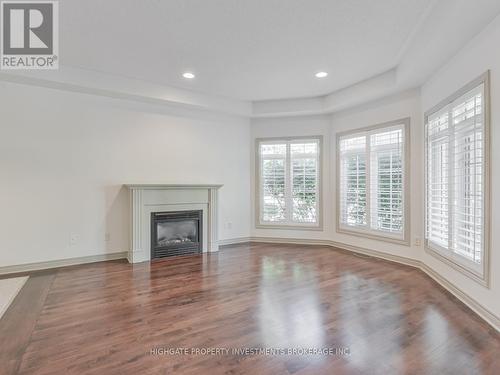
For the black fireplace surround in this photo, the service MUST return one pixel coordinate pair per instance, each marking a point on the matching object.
(176, 233)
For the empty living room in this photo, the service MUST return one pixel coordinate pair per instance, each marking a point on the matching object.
(250, 187)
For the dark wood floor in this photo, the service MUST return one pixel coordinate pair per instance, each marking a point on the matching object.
(382, 318)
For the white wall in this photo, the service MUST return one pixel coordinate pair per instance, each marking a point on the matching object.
(481, 54)
(64, 157)
(393, 108)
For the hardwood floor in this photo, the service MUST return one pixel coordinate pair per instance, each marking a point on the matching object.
(115, 318)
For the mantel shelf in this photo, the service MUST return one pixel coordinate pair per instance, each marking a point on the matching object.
(173, 186)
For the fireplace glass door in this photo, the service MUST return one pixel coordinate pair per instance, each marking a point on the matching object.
(176, 233)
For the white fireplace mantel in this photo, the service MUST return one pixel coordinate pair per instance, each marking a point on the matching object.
(148, 198)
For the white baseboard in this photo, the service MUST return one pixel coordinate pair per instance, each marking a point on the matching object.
(284, 240)
(340, 245)
(470, 302)
(28, 267)
(233, 241)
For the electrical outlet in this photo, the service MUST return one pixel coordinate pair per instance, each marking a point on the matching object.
(107, 237)
(73, 239)
(418, 242)
(229, 225)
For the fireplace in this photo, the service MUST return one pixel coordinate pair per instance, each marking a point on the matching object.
(176, 233)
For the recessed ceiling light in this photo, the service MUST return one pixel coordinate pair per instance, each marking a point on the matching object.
(188, 75)
(321, 74)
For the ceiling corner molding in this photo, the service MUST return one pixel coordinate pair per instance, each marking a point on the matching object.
(373, 88)
(288, 107)
(116, 87)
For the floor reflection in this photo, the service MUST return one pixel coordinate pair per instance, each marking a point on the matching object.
(289, 322)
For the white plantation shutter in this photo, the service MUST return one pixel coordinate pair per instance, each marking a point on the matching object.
(438, 179)
(386, 183)
(372, 180)
(273, 159)
(304, 180)
(467, 173)
(353, 181)
(455, 187)
(289, 181)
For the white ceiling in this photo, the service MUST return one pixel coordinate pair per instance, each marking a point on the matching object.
(241, 49)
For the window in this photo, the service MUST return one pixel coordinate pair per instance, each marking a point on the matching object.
(288, 173)
(457, 185)
(372, 180)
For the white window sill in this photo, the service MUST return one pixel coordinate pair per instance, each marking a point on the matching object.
(289, 226)
(374, 235)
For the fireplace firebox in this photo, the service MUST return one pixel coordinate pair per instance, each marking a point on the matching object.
(176, 233)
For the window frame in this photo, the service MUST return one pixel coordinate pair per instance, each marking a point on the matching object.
(370, 233)
(259, 223)
(443, 255)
